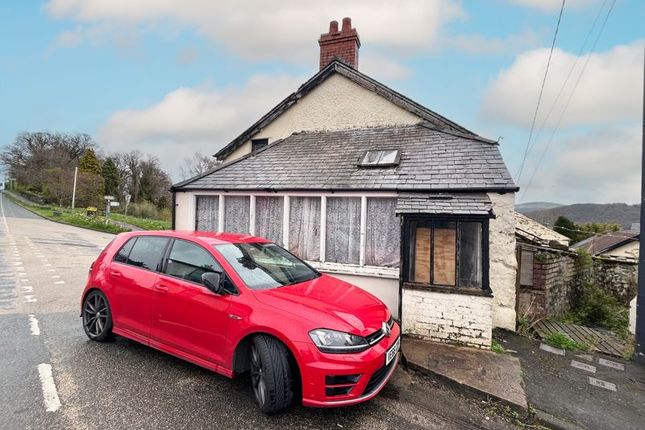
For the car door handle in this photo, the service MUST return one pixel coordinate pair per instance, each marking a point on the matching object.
(115, 274)
(161, 288)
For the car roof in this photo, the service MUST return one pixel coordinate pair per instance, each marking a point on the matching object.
(205, 236)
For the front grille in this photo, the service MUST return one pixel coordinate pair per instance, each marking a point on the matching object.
(377, 378)
(340, 385)
(375, 337)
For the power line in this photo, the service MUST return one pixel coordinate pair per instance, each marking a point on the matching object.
(537, 107)
(566, 106)
(566, 80)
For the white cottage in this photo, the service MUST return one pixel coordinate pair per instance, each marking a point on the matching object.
(367, 185)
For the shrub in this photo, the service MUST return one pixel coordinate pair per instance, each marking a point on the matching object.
(595, 307)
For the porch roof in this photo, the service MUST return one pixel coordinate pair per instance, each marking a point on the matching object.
(445, 204)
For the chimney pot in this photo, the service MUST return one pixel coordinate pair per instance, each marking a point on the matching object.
(341, 45)
(347, 24)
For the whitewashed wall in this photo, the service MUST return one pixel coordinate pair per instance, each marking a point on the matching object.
(503, 264)
(448, 317)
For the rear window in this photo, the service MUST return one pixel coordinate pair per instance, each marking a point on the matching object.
(147, 252)
(122, 255)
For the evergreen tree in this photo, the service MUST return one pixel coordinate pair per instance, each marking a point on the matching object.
(89, 163)
(566, 227)
(111, 177)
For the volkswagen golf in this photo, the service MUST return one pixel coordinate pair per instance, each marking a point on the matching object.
(236, 304)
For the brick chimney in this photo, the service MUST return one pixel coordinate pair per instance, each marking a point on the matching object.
(341, 44)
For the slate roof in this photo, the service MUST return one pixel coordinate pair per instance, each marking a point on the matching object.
(431, 160)
(338, 66)
(597, 245)
(444, 204)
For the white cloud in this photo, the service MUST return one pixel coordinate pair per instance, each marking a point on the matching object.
(599, 166)
(382, 67)
(194, 119)
(610, 90)
(68, 38)
(287, 29)
(554, 5)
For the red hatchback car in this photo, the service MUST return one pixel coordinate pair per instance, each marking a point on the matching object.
(234, 303)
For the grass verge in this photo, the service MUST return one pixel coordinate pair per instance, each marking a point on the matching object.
(144, 223)
(74, 217)
(560, 340)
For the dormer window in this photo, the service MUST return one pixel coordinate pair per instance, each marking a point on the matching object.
(380, 158)
(257, 144)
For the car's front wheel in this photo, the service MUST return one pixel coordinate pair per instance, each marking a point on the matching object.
(271, 374)
(97, 317)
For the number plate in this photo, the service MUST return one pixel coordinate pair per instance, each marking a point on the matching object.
(391, 353)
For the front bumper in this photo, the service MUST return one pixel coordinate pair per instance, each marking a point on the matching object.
(315, 366)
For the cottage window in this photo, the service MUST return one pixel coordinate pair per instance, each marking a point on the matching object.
(383, 233)
(236, 214)
(304, 227)
(447, 253)
(257, 144)
(268, 218)
(207, 211)
(343, 230)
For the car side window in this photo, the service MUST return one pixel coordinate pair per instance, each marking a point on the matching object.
(122, 255)
(190, 261)
(147, 252)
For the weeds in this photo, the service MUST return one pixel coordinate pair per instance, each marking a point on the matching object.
(497, 347)
(597, 308)
(560, 340)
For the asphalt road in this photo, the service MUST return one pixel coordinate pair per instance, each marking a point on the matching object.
(122, 384)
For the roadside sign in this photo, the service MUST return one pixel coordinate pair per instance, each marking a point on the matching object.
(108, 197)
(114, 204)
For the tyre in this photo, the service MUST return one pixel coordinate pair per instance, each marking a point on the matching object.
(97, 316)
(271, 377)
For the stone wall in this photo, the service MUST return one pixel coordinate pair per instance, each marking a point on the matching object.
(503, 264)
(448, 317)
(617, 277)
(558, 274)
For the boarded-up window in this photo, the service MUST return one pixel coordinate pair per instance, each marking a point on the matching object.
(422, 254)
(304, 227)
(526, 268)
(445, 251)
(343, 230)
(383, 233)
(236, 214)
(206, 213)
(268, 218)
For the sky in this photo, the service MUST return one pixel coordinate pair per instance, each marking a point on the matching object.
(173, 77)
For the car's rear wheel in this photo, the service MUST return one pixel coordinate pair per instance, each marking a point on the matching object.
(271, 374)
(97, 317)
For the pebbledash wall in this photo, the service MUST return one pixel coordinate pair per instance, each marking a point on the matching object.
(469, 319)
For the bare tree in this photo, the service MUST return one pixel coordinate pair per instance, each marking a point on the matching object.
(198, 164)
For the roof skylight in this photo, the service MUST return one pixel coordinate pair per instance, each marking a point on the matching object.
(380, 158)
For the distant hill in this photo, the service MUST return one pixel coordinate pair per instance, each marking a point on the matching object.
(523, 208)
(619, 213)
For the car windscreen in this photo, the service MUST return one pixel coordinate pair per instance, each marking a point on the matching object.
(265, 265)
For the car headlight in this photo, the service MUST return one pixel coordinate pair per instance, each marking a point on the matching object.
(337, 342)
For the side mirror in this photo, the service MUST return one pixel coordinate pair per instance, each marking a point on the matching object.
(213, 281)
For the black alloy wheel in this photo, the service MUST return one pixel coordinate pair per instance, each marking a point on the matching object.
(97, 318)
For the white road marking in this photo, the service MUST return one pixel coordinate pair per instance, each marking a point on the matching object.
(612, 364)
(602, 384)
(552, 350)
(50, 395)
(59, 282)
(33, 325)
(4, 218)
(583, 366)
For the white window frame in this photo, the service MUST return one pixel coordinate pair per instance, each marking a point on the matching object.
(322, 265)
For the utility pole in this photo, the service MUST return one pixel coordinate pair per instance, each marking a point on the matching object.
(639, 355)
(74, 189)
